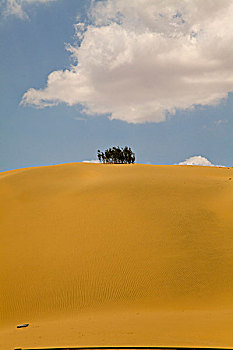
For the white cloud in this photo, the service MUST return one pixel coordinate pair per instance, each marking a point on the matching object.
(140, 60)
(90, 161)
(13, 7)
(16, 7)
(197, 160)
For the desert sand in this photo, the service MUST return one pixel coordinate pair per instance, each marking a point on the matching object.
(116, 255)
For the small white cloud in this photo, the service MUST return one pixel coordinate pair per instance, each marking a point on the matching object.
(141, 60)
(197, 160)
(90, 161)
(16, 7)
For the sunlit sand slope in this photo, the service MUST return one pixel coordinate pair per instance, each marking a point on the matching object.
(95, 254)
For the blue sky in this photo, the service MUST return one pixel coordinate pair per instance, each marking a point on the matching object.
(120, 92)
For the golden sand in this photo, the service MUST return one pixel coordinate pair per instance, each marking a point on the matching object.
(116, 255)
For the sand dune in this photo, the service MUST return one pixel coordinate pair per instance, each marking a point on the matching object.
(116, 255)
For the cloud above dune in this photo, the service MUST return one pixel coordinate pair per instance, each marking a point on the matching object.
(197, 160)
(17, 7)
(141, 60)
(90, 161)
